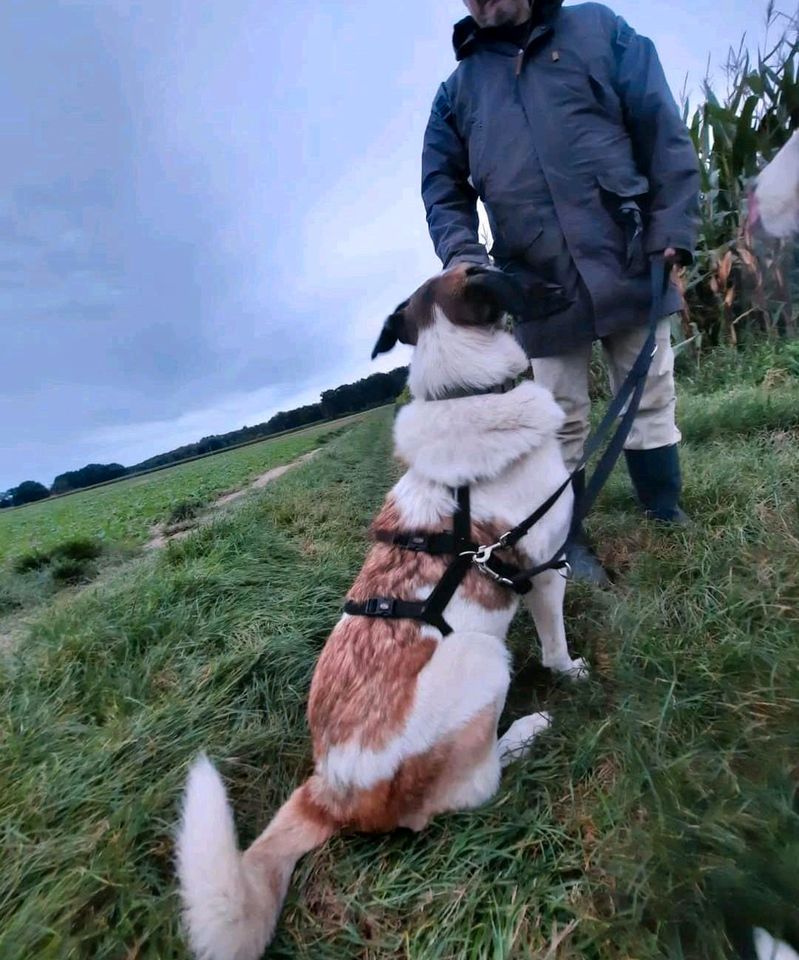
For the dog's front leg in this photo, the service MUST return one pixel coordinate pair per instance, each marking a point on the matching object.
(545, 603)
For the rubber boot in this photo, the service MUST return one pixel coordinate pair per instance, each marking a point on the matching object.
(656, 477)
(584, 563)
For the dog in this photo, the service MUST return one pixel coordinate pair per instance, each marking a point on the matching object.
(774, 199)
(403, 717)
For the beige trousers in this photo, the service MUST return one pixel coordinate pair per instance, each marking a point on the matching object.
(567, 377)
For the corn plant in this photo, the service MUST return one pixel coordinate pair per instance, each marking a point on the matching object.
(738, 283)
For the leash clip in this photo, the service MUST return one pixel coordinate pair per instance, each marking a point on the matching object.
(483, 554)
(481, 560)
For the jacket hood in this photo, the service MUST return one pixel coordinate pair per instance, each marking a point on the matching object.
(466, 33)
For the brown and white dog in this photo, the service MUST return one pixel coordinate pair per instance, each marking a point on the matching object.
(404, 719)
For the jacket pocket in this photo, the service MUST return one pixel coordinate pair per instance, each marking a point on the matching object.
(544, 295)
(504, 249)
(624, 196)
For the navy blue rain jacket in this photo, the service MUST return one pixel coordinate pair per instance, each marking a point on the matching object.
(579, 153)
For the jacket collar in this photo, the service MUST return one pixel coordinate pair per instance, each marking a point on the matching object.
(466, 35)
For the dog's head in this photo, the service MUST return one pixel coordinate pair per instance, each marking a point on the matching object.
(466, 296)
(455, 323)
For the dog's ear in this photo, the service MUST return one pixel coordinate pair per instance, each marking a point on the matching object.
(490, 285)
(393, 330)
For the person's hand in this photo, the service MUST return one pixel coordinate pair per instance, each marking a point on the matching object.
(675, 258)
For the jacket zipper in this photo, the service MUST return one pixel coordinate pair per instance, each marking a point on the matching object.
(540, 31)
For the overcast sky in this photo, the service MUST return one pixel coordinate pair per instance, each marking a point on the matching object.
(209, 206)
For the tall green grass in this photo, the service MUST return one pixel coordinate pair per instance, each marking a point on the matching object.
(211, 643)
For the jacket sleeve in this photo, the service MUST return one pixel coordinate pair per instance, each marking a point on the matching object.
(663, 148)
(449, 198)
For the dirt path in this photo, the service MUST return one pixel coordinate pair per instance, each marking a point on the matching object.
(163, 534)
(12, 627)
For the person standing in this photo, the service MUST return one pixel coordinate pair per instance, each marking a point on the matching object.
(561, 121)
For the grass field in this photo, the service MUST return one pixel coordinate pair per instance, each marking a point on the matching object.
(124, 512)
(662, 802)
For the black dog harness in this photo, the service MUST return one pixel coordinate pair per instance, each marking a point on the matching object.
(458, 542)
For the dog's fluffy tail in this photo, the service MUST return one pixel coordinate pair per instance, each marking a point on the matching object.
(232, 900)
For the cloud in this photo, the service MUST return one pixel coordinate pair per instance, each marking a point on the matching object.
(137, 441)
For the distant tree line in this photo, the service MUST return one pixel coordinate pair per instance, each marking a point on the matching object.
(88, 476)
(370, 392)
(28, 492)
(350, 398)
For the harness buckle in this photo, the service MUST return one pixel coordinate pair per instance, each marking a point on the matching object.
(380, 607)
(417, 543)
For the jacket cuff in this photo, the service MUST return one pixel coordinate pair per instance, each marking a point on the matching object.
(476, 254)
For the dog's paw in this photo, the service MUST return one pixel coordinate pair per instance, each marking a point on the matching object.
(576, 669)
(517, 740)
(525, 728)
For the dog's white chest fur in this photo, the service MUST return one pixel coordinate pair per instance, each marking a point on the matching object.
(504, 447)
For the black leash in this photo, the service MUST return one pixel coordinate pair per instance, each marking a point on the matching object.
(629, 393)
(458, 542)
